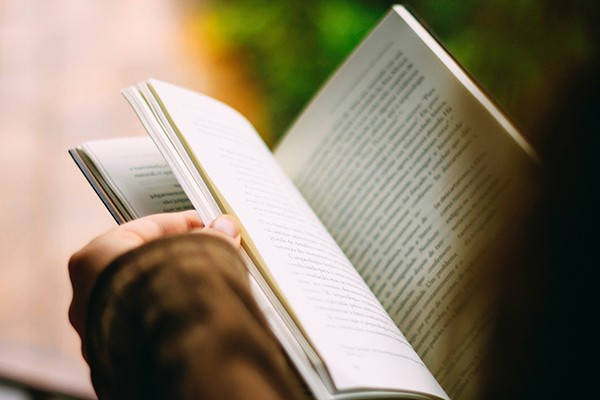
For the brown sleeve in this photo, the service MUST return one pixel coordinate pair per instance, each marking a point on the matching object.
(175, 319)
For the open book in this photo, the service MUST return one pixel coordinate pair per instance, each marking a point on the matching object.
(367, 232)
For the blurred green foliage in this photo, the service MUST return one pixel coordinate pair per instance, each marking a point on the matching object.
(520, 50)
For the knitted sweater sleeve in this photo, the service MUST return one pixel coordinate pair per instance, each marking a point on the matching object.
(175, 319)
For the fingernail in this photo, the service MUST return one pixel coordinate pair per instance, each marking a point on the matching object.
(226, 224)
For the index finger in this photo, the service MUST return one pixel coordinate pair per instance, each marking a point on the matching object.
(154, 226)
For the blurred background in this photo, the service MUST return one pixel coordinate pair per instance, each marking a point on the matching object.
(63, 63)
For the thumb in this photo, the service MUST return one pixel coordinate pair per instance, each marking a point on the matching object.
(226, 227)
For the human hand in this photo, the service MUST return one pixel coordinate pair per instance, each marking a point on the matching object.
(86, 265)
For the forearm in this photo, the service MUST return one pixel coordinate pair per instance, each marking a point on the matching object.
(175, 319)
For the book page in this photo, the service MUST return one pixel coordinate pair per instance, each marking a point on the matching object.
(138, 175)
(360, 345)
(414, 173)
